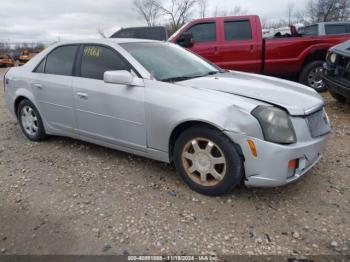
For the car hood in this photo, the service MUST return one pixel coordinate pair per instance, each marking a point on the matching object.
(343, 48)
(297, 99)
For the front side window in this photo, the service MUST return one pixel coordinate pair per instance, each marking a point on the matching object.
(168, 62)
(335, 29)
(205, 32)
(96, 60)
(238, 30)
(41, 67)
(61, 60)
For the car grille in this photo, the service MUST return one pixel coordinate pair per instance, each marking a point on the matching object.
(318, 123)
(343, 67)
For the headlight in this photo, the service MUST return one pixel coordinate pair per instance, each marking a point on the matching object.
(275, 124)
(333, 58)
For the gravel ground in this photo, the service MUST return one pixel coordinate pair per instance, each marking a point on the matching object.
(63, 196)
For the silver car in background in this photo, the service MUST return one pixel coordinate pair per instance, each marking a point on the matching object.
(157, 100)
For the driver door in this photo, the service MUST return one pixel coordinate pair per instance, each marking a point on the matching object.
(109, 113)
(205, 36)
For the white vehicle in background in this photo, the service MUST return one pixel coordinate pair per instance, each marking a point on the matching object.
(269, 33)
(285, 30)
(326, 28)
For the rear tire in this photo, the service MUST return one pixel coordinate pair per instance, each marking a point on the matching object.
(208, 161)
(30, 121)
(341, 99)
(311, 75)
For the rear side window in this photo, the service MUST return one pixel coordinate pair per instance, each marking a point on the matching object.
(238, 30)
(309, 30)
(335, 29)
(61, 60)
(205, 32)
(98, 59)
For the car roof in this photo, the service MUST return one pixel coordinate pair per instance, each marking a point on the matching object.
(106, 41)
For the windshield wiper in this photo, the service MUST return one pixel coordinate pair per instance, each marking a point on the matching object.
(178, 78)
(183, 78)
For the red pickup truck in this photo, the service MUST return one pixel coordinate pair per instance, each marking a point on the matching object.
(237, 43)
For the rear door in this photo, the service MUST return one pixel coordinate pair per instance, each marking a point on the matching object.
(240, 47)
(52, 85)
(205, 36)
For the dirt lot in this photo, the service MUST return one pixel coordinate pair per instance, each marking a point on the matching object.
(68, 197)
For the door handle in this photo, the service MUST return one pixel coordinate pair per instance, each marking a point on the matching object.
(39, 86)
(82, 95)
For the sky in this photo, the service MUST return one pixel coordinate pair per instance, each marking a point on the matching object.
(52, 20)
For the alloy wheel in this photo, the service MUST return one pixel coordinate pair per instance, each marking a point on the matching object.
(204, 162)
(29, 121)
(315, 79)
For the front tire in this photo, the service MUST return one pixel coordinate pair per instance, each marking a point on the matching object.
(208, 161)
(312, 76)
(30, 121)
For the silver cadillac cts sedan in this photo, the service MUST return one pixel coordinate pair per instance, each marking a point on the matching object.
(154, 99)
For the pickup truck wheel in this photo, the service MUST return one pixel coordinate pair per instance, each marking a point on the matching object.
(312, 76)
(341, 99)
(208, 161)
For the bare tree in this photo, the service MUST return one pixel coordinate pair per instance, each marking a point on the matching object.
(148, 9)
(178, 12)
(236, 10)
(101, 32)
(301, 17)
(263, 21)
(290, 12)
(328, 10)
(277, 24)
(3, 47)
(203, 8)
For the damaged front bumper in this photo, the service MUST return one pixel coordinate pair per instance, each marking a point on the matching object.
(271, 167)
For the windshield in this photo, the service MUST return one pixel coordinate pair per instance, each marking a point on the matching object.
(168, 62)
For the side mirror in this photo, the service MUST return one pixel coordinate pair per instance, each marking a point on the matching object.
(185, 40)
(121, 77)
